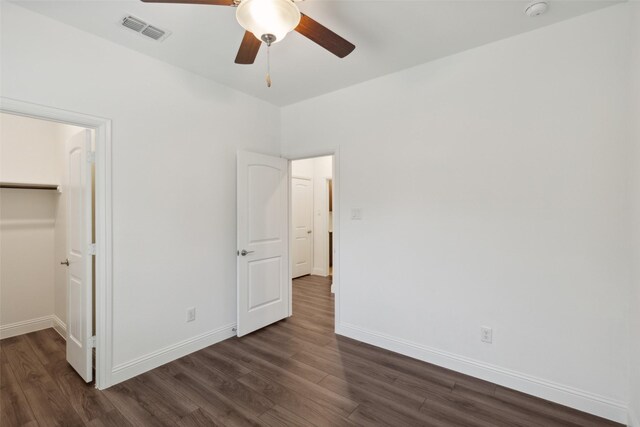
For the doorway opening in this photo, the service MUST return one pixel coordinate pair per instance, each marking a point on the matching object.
(312, 241)
(269, 231)
(47, 224)
(55, 232)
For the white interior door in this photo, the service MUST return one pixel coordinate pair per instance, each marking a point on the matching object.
(79, 277)
(302, 218)
(263, 261)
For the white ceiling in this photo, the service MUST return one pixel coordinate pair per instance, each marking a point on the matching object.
(389, 36)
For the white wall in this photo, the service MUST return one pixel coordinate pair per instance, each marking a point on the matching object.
(634, 405)
(492, 185)
(303, 168)
(318, 169)
(322, 170)
(32, 224)
(27, 269)
(175, 137)
(28, 150)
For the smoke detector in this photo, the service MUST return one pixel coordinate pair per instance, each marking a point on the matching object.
(536, 8)
(144, 28)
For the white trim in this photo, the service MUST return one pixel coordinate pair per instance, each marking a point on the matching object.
(290, 235)
(59, 326)
(549, 390)
(104, 256)
(145, 363)
(633, 420)
(327, 214)
(317, 271)
(34, 325)
(26, 327)
(335, 284)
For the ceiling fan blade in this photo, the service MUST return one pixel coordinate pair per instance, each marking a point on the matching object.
(248, 49)
(324, 37)
(209, 2)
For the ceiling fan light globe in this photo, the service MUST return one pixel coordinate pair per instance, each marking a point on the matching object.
(260, 17)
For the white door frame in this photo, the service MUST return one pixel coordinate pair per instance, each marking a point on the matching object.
(104, 269)
(335, 286)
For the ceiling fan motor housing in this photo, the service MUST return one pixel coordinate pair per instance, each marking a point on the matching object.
(268, 39)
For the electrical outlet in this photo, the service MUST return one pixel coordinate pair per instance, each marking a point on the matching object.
(191, 314)
(486, 334)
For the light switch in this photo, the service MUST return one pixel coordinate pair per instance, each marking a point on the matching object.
(356, 214)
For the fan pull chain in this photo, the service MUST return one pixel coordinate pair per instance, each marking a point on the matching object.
(268, 65)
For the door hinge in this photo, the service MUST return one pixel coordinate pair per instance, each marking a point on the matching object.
(91, 156)
(92, 249)
(92, 341)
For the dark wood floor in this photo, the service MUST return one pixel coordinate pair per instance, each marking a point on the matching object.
(294, 373)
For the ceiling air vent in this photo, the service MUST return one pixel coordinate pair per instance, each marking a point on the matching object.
(133, 23)
(141, 27)
(153, 32)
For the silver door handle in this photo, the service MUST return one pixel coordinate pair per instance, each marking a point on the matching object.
(65, 262)
(245, 252)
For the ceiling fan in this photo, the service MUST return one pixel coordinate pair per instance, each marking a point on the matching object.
(269, 21)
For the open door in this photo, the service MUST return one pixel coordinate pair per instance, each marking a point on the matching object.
(263, 260)
(79, 262)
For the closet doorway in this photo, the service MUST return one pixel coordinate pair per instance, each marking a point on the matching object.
(48, 233)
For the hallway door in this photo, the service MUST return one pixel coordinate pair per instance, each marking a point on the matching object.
(302, 218)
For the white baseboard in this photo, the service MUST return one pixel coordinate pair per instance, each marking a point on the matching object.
(318, 272)
(145, 363)
(633, 420)
(559, 393)
(26, 327)
(59, 326)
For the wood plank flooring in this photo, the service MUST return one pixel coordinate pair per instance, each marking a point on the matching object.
(294, 373)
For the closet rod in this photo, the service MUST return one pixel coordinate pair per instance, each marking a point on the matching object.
(28, 186)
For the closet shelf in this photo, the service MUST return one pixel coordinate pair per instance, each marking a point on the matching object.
(28, 186)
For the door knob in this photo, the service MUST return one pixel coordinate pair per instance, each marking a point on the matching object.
(245, 252)
(308, 231)
(65, 262)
